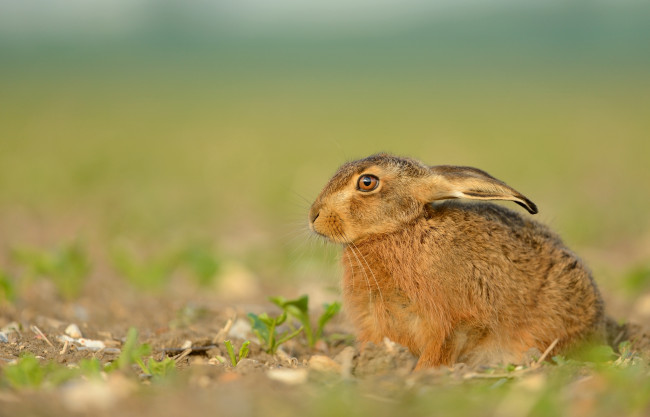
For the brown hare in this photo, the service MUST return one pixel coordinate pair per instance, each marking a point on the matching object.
(452, 281)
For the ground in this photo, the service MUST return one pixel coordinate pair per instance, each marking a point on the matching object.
(332, 378)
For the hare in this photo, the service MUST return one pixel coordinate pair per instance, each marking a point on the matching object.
(453, 281)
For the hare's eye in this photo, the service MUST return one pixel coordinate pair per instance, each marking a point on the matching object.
(367, 183)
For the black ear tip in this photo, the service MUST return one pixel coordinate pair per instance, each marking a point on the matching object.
(532, 207)
(528, 205)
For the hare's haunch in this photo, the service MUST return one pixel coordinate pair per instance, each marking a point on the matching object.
(453, 281)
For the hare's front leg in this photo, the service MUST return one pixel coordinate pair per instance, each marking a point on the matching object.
(432, 355)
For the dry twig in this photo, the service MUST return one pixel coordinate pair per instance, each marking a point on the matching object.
(546, 352)
(39, 333)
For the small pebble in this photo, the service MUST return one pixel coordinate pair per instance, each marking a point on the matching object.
(241, 329)
(288, 376)
(245, 366)
(81, 313)
(73, 331)
(90, 396)
(11, 327)
(3, 338)
(84, 343)
(236, 281)
(345, 358)
(325, 364)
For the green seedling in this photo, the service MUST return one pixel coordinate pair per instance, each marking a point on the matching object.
(188, 315)
(151, 274)
(26, 373)
(133, 354)
(155, 272)
(91, 368)
(637, 280)
(243, 352)
(67, 267)
(299, 309)
(265, 328)
(158, 369)
(7, 291)
(329, 311)
(29, 372)
(202, 262)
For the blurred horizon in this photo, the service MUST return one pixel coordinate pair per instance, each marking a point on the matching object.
(223, 119)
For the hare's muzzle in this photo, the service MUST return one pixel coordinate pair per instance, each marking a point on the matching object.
(313, 215)
(314, 212)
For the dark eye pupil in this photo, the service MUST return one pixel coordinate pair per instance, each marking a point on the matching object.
(367, 181)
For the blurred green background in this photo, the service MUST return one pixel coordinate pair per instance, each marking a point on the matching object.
(161, 122)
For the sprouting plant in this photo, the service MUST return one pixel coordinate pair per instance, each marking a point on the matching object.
(329, 311)
(299, 309)
(7, 291)
(188, 315)
(67, 266)
(91, 368)
(202, 262)
(149, 274)
(29, 372)
(637, 279)
(158, 369)
(133, 353)
(265, 328)
(154, 272)
(243, 352)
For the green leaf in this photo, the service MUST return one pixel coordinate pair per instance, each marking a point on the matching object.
(91, 368)
(67, 267)
(559, 360)
(260, 327)
(132, 352)
(637, 279)
(148, 274)
(231, 352)
(331, 310)
(287, 336)
(598, 354)
(26, 373)
(202, 262)
(7, 291)
(160, 369)
(243, 351)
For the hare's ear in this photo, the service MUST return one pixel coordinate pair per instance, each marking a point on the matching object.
(466, 182)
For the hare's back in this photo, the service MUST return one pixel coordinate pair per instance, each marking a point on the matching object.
(518, 262)
(490, 226)
(515, 256)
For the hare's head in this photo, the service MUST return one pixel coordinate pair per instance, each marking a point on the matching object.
(381, 193)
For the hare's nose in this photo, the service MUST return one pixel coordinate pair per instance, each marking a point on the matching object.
(313, 215)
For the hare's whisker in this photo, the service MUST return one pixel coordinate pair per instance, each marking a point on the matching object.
(341, 235)
(381, 296)
(355, 251)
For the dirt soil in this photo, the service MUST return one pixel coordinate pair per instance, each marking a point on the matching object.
(190, 326)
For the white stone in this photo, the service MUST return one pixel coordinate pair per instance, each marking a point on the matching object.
(323, 363)
(241, 329)
(73, 331)
(288, 376)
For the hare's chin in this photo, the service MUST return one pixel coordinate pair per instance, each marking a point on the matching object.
(331, 238)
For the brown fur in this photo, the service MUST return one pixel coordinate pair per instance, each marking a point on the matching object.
(452, 281)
